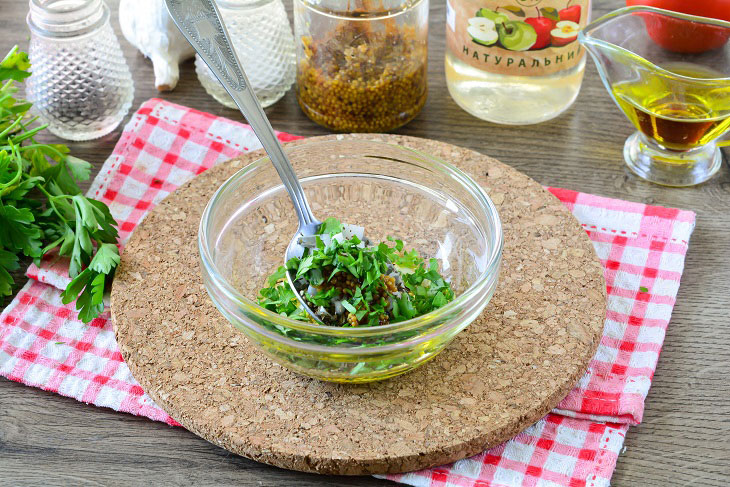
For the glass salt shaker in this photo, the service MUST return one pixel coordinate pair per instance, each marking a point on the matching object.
(263, 40)
(80, 84)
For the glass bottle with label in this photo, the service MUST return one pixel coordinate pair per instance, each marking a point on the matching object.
(515, 61)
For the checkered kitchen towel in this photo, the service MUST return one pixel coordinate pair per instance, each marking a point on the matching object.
(43, 344)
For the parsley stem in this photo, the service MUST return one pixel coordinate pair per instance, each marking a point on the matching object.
(51, 199)
(18, 174)
(30, 134)
(11, 127)
(24, 126)
(60, 154)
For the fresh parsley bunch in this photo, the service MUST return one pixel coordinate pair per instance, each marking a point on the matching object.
(41, 205)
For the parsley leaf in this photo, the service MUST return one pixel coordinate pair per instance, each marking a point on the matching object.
(276, 276)
(89, 285)
(331, 226)
(349, 307)
(8, 262)
(14, 66)
(20, 232)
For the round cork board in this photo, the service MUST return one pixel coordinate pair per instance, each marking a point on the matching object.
(508, 369)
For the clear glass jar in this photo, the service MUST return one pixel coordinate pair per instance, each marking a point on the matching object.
(515, 62)
(263, 40)
(81, 84)
(361, 64)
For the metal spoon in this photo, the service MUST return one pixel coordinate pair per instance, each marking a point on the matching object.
(200, 22)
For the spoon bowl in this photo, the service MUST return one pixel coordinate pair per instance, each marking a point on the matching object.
(295, 250)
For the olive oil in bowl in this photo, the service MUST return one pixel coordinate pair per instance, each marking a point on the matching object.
(676, 115)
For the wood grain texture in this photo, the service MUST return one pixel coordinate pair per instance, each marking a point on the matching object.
(49, 440)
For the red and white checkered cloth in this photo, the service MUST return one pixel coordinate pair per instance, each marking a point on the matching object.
(43, 344)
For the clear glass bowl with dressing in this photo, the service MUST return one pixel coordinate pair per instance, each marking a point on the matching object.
(391, 191)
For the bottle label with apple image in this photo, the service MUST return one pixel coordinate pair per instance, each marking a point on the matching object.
(517, 37)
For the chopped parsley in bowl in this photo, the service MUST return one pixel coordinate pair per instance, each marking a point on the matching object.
(391, 190)
(348, 282)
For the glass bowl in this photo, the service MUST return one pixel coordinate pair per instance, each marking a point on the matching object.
(390, 190)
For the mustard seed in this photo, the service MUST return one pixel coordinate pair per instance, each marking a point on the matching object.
(356, 79)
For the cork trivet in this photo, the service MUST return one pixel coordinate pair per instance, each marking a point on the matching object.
(508, 369)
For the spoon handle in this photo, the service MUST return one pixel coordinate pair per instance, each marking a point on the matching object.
(200, 23)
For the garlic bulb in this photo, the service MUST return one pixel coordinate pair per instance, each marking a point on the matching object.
(148, 27)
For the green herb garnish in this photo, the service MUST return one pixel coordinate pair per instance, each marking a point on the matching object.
(41, 205)
(349, 283)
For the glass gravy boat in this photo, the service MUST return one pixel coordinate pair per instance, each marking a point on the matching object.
(669, 73)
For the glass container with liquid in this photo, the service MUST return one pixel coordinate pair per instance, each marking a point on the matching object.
(675, 89)
(515, 61)
(361, 64)
(676, 120)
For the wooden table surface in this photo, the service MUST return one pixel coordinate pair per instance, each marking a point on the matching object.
(50, 440)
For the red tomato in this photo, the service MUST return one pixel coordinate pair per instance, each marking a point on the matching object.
(716, 9)
(680, 36)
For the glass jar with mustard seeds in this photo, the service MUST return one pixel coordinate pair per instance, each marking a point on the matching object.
(361, 64)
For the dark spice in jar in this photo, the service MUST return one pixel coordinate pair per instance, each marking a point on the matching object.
(358, 79)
